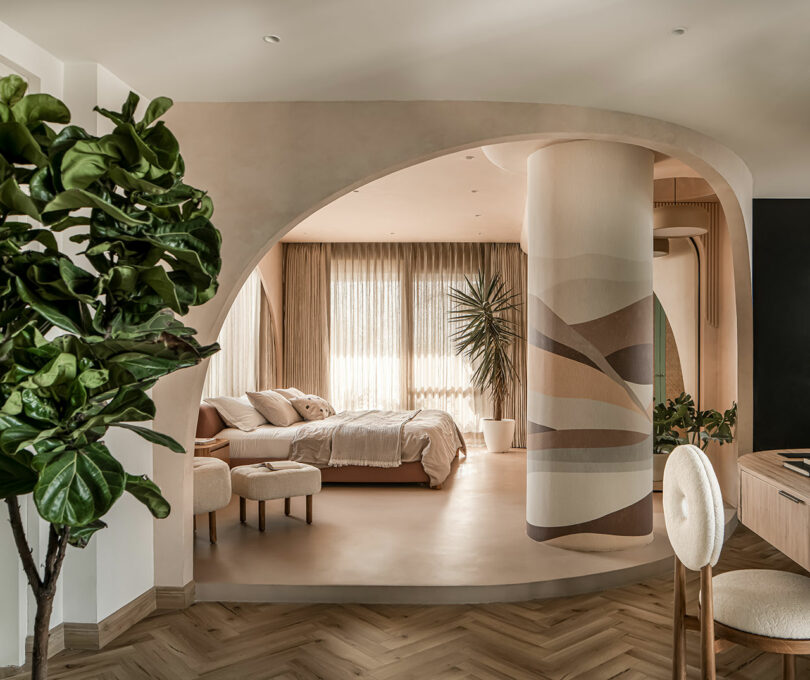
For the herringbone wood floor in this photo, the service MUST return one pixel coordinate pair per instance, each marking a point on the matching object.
(623, 633)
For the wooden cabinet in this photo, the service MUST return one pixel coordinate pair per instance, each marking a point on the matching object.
(775, 503)
(219, 448)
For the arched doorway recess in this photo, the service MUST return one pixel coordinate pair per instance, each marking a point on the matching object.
(268, 166)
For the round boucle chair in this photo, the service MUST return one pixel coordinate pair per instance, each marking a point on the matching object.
(212, 490)
(758, 608)
(286, 479)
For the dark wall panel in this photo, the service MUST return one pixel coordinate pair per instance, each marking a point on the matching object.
(781, 282)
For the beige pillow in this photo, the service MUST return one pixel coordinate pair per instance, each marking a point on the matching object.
(290, 392)
(274, 407)
(237, 412)
(312, 407)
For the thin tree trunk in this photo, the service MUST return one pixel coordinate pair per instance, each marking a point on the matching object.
(43, 587)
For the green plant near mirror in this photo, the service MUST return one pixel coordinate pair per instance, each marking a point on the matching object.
(678, 421)
(84, 336)
(485, 330)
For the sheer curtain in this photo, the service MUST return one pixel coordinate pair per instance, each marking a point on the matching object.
(235, 368)
(389, 334)
(439, 379)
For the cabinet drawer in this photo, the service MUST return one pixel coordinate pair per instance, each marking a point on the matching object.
(777, 515)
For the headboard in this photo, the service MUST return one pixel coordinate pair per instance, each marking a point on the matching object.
(209, 422)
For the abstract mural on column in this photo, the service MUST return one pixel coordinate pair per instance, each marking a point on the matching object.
(590, 352)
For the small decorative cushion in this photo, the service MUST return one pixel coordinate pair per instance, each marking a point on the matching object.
(312, 407)
(278, 410)
(763, 602)
(693, 507)
(237, 412)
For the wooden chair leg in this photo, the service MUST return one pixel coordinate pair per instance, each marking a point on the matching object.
(707, 661)
(242, 510)
(789, 667)
(287, 507)
(212, 527)
(261, 515)
(309, 509)
(679, 623)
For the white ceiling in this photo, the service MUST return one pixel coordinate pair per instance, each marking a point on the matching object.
(740, 73)
(458, 197)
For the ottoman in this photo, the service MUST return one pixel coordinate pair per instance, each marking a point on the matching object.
(286, 479)
(212, 490)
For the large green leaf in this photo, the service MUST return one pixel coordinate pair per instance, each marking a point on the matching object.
(37, 107)
(80, 536)
(16, 478)
(154, 437)
(77, 487)
(12, 89)
(15, 201)
(157, 107)
(18, 145)
(148, 493)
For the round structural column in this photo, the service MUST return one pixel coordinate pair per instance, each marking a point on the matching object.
(590, 352)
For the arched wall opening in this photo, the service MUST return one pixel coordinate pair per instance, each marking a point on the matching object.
(274, 164)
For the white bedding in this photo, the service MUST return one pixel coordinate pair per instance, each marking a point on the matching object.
(431, 438)
(266, 441)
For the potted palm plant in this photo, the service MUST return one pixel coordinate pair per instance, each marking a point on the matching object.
(484, 332)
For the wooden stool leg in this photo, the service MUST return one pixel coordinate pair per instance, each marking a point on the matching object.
(261, 515)
(679, 623)
(212, 527)
(707, 662)
(309, 509)
(287, 506)
(789, 667)
(242, 510)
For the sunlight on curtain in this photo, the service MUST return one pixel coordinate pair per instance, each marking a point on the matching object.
(389, 335)
(234, 370)
(366, 327)
(439, 379)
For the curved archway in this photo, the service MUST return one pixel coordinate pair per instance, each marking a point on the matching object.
(274, 164)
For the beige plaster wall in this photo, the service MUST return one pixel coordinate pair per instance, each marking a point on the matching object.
(269, 165)
(271, 270)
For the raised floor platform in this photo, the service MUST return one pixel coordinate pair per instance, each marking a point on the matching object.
(408, 544)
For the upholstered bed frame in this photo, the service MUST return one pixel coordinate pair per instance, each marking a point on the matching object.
(209, 424)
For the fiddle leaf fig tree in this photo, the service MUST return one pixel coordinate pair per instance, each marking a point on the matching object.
(89, 320)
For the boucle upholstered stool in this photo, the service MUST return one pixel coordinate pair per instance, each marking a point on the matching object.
(212, 490)
(758, 608)
(287, 479)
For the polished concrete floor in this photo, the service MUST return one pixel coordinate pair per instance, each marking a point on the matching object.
(406, 543)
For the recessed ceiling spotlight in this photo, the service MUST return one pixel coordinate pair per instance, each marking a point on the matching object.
(271, 39)
(679, 30)
(469, 158)
(478, 215)
(475, 191)
(356, 191)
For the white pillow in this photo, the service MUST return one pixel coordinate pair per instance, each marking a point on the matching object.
(290, 393)
(312, 407)
(274, 407)
(237, 412)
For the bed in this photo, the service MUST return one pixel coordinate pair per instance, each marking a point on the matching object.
(430, 442)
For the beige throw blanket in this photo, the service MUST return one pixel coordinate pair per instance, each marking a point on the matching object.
(373, 438)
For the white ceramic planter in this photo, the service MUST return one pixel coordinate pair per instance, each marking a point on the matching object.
(659, 463)
(498, 434)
